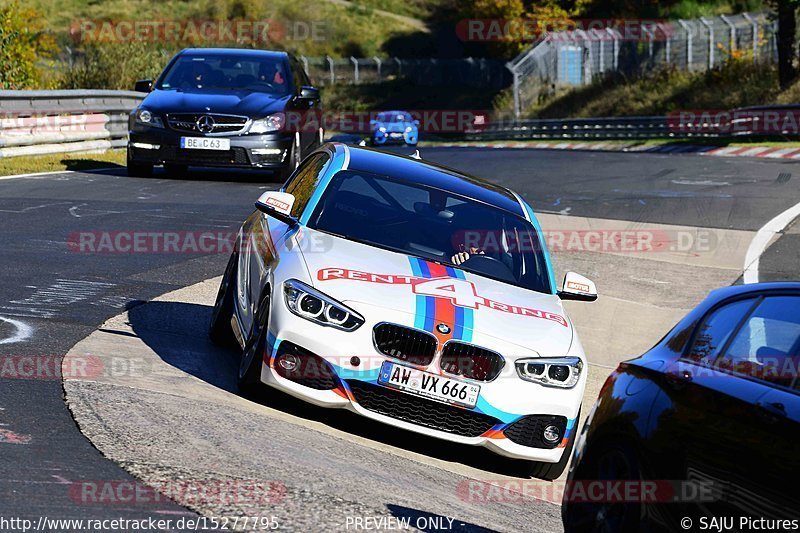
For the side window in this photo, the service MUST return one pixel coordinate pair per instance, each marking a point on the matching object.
(766, 346)
(716, 330)
(305, 180)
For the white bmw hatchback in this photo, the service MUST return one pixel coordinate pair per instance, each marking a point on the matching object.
(413, 295)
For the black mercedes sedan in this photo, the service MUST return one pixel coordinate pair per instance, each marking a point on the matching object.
(703, 431)
(219, 107)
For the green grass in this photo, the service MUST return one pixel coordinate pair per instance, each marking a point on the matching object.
(341, 30)
(739, 83)
(56, 162)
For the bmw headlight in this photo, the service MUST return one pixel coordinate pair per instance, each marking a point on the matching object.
(562, 372)
(309, 303)
(382, 129)
(143, 116)
(268, 124)
(409, 129)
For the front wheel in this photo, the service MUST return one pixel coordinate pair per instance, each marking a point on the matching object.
(219, 329)
(292, 160)
(249, 378)
(604, 461)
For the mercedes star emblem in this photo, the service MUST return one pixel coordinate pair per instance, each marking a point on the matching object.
(205, 124)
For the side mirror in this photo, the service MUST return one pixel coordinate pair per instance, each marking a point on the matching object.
(309, 93)
(416, 122)
(277, 205)
(373, 122)
(577, 287)
(143, 86)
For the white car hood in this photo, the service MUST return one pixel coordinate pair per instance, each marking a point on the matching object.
(356, 273)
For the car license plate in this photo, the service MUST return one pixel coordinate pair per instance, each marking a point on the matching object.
(205, 143)
(428, 385)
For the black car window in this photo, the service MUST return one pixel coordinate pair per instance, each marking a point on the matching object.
(716, 330)
(433, 224)
(227, 71)
(305, 180)
(766, 345)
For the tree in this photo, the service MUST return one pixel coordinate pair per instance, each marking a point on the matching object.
(23, 42)
(787, 27)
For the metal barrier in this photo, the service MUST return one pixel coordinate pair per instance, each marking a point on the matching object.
(573, 58)
(44, 122)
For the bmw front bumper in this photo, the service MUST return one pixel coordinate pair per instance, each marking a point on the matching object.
(508, 419)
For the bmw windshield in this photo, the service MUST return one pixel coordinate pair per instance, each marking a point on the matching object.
(435, 225)
(228, 72)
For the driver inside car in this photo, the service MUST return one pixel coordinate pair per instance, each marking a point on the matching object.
(465, 254)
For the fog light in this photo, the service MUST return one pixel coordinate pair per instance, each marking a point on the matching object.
(551, 434)
(267, 151)
(146, 146)
(289, 362)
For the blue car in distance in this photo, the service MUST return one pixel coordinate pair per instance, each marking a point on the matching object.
(394, 127)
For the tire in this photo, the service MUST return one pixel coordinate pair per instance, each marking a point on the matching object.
(175, 169)
(292, 162)
(219, 329)
(609, 460)
(249, 377)
(552, 471)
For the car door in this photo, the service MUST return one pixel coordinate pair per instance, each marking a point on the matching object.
(264, 237)
(766, 350)
(715, 421)
(709, 412)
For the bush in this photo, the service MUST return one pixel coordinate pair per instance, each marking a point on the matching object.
(23, 42)
(114, 65)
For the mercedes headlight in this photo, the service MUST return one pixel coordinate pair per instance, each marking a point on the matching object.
(268, 124)
(562, 372)
(143, 116)
(309, 303)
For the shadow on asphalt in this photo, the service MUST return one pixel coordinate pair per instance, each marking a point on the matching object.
(430, 522)
(192, 174)
(177, 332)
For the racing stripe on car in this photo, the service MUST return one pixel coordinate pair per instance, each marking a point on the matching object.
(465, 318)
(444, 312)
(424, 304)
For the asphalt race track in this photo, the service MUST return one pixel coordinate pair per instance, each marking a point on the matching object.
(54, 295)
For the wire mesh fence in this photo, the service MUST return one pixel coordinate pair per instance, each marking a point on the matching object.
(470, 72)
(578, 57)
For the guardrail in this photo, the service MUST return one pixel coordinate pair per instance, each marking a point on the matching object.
(618, 128)
(44, 122)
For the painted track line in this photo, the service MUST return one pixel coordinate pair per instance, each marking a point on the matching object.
(762, 239)
(54, 172)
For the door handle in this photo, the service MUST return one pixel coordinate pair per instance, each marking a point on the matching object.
(772, 410)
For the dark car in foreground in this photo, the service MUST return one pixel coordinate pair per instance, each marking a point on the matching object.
(224, 108)
(704, 429)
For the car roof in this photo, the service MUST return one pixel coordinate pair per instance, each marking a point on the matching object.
(234, 51)
(753, 288)
(432, 175)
